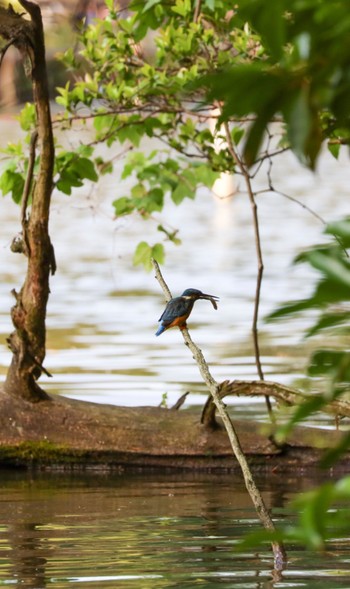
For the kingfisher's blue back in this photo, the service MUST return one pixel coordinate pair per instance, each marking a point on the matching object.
(176, 312)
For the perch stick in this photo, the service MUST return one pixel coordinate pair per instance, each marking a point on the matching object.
(255, 495)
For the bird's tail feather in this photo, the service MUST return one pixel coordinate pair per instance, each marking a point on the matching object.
(160, 330)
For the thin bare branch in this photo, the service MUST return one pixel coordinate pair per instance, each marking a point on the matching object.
(304, 206)
(197, 10)
(254, 207)
(29, 179)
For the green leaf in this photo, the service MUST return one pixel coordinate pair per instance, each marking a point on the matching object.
(171, 235)
(84, 168)
(334, 149)
(14, 150)
(302, 412)
(182, 7)
(314, 518)
(332, 363)
(144, 254)
(27, 117)
(342, 487)
(261, 537)
(104, 122)
(64, 98)
(236, 88)
(340, 229)
(132, 133)
(237, 133)
(268, 18)
(334, 268)
(333, 286)
(149, 4)
(327, 321)
(154, 200)
(158, 253)
(326, 293)
(66, 182)
(290, 309)
(123, 206)
(210, 4)
(256, 134)
(72, 170)
(205, 175)
(318, 519)
(298, 117)
(181, 191)
(12, 181)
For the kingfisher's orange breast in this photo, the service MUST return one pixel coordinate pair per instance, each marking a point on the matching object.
(179, 321)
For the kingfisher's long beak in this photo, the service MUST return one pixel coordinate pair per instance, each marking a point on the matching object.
(212, 298)
(208, 297)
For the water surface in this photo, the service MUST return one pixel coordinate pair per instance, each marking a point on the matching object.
(104, 532)
(103, 312)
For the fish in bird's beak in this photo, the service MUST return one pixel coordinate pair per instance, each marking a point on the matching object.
(212, 298)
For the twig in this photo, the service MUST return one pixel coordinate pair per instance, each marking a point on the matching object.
(304, 206)
(20, 243)
(197, 10)
(29, 179)
(213, 386)
(254, 207)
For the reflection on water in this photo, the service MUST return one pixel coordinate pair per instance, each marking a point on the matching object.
(148, 532)
(103, 312)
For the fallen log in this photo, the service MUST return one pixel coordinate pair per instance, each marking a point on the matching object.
(61, 433)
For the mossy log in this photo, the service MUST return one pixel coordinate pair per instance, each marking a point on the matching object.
(65, 433)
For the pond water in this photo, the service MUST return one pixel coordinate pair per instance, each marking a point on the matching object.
(140, 532)
(103, 311)
(132, 532)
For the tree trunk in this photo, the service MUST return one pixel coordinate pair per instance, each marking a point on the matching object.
(28, 340)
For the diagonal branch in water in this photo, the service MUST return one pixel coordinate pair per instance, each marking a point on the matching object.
(254, 493)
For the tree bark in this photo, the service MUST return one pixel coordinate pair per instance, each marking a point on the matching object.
(28, 341)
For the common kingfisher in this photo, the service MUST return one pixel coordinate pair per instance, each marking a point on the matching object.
(178, 309)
